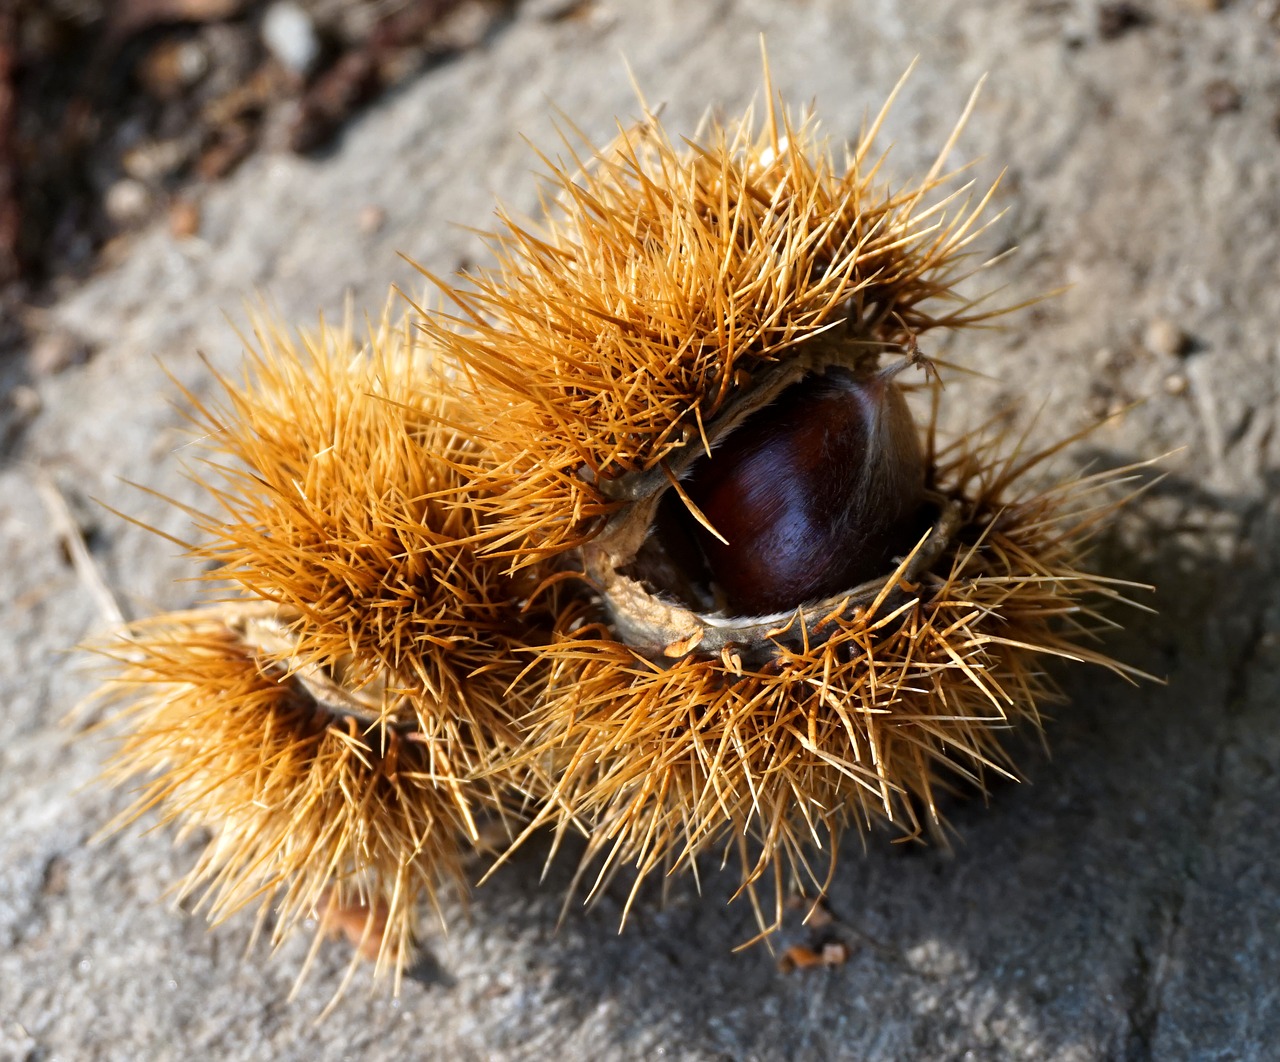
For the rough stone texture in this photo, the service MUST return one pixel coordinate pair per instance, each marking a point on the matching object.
(1124, 905)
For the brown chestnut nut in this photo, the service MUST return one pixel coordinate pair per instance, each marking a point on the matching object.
(813, 494)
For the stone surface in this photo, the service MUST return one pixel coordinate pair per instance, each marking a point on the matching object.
(1123, 905)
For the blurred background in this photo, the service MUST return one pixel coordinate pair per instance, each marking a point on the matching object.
(164, 163)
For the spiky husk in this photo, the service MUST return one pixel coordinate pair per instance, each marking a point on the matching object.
(336, 721)
(416, 528)
(850, 719)
(662, 279)
(307, 811)
(341, 474)
(668, 292)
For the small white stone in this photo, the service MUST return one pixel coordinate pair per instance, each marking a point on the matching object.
(191, 62)
(127, 201)
(25, 401)
(371, 219)
(290, 36)
(1163, 337)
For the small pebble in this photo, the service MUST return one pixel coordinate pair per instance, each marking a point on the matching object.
(372, 218)
(25, 401)
(1111, 362)
(1118, 18)
(1222, 97)
(1102, 402)
(154, 160)
(290, 36)
(1163, 337)
(463, 26)
(127, 202)
(184, 218)
(1175, 384)
(835, 954)
(56, 875)
(172, 66)
(803, 957)
(55, 352)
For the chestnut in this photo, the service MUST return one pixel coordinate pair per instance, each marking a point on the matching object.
(813, 494)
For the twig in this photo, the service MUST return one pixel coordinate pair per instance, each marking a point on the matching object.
(86, 568)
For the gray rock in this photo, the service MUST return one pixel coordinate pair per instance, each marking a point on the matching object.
(1122, 906)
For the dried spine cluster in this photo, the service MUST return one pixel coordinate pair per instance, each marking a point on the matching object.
(474, 579)
(337, 723)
